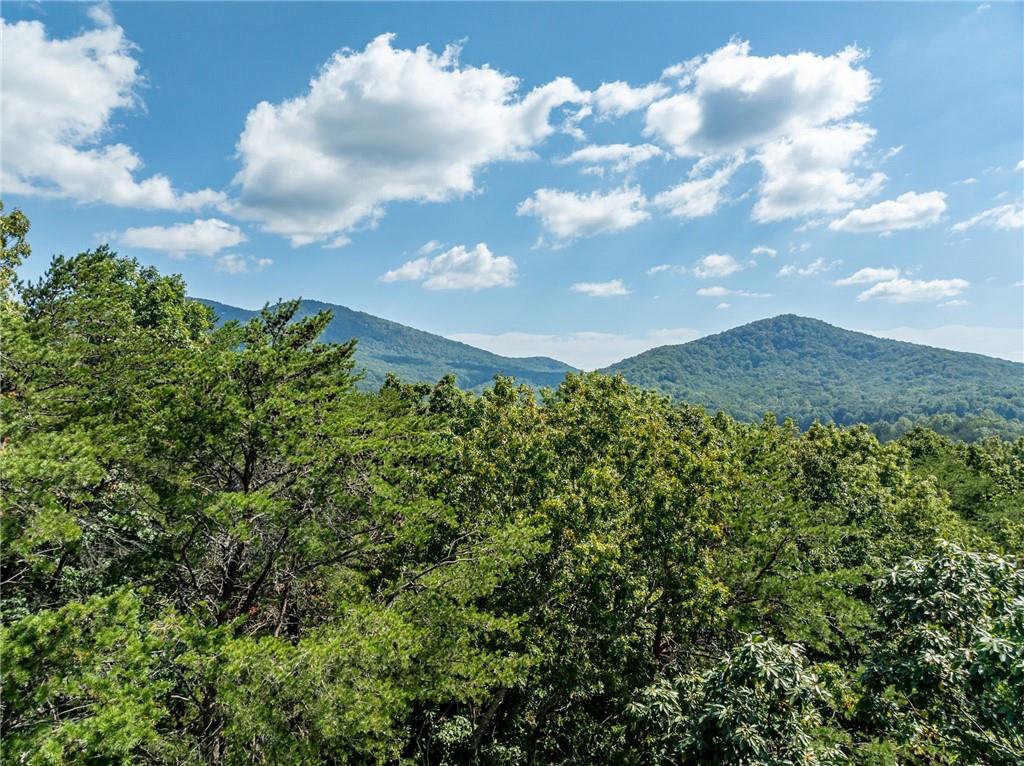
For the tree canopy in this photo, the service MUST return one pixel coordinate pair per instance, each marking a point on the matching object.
(218, 549)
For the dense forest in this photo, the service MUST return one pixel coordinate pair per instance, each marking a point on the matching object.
(808, 370)
(218, 549)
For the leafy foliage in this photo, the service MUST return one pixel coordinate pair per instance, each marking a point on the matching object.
(949, 668)
(759, 704)
(218, 549)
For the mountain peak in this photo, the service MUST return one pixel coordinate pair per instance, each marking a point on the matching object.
(809, 370)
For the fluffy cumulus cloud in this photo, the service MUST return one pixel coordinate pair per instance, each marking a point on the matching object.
(615, 99)
(382, 125)
(869, 275)
(716, 265)
(601, 289)
(566, 215)
(815, 267)
(810, 172)
(241, 264)
(907, 211)
(586, 350)
(734, 100)
(457, 269)
(792, 112)
(60, 98)
(1004, 217)
(620, 157)
(914, 290)
(698, 197)
(205, 236)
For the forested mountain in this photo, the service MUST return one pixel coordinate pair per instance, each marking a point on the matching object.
(218, 551)
(795, 367)
(809, 370)
(413, 355)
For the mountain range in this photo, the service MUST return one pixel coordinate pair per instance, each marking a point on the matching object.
(795, 367)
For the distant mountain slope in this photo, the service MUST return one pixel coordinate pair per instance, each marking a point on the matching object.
(413, 355)
(807, 369)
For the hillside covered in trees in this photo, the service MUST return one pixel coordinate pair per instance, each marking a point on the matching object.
(795, 367)
(218, 550)
(413, 355)
(808, 370)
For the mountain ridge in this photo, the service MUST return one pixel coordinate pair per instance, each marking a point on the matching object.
(810, 370)
(790, 316)
(796, 367)
(416, 355)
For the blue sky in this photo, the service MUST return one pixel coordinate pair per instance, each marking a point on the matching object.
(581, 181)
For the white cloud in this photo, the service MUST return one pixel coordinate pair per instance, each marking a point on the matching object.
(457, 269)
(384, 125)
(622, 157)
(735, 100)
(723, 305)
(954, 303)
(666, 267)
(697, 197)
(721, 292)
(771, 252)
(907, 211)
(601, 289)
(1002, 342)
(201, 237)
(1020, 165)
(60, 97)
(338, 242)
(914, 290)
(432, 246)
(965, 181)
(586, 350)
(1005, 217)
(869, 275)
(810, 173)
(567, 215)
(241, 264)
(615, 99)
(716, 265)
(101, 14)
(813, 268)
(792, 111)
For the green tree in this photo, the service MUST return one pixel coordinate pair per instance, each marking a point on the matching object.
(760, 705)
(623, 486)
(14, 248)
(89, 351)
(947, 671)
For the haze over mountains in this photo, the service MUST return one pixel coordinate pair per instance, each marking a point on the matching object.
(796, 367)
